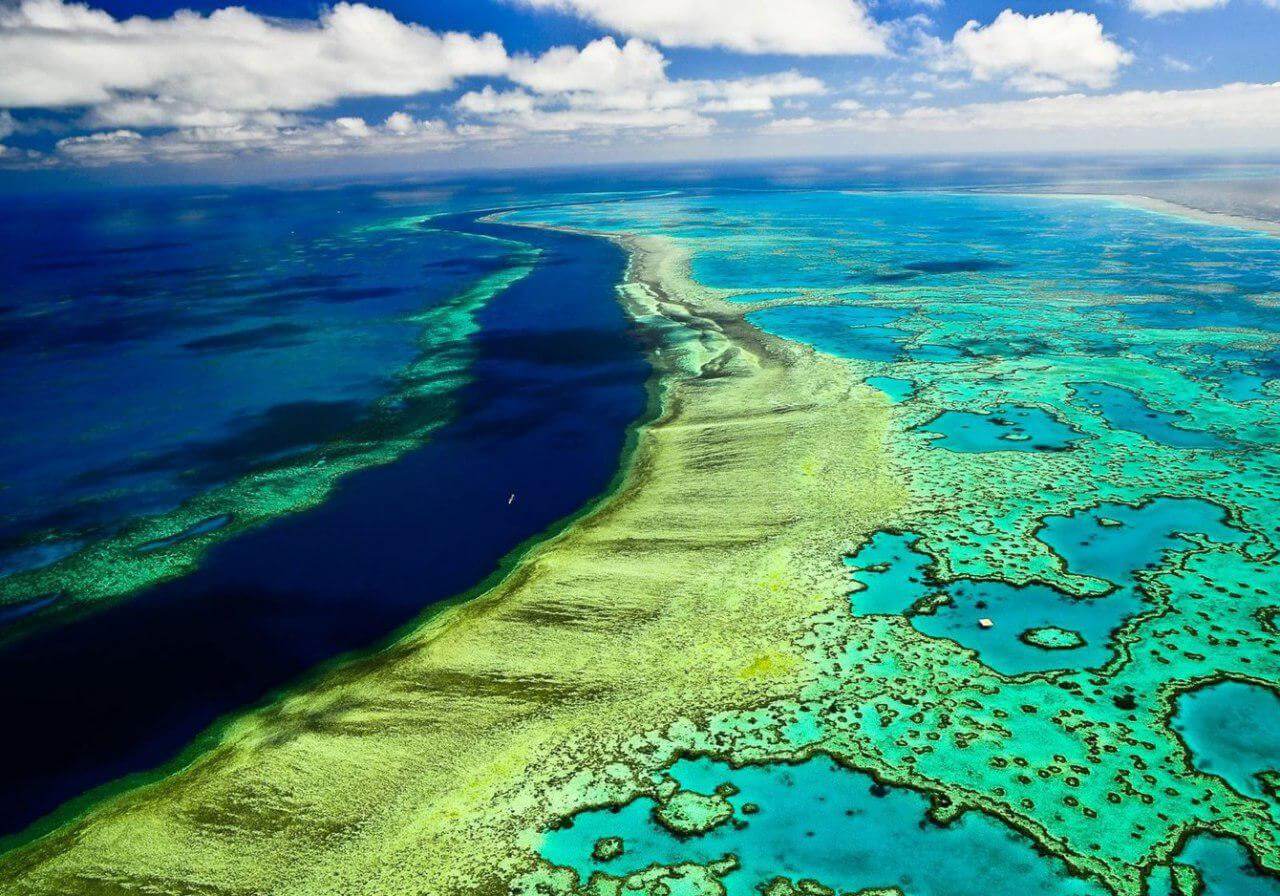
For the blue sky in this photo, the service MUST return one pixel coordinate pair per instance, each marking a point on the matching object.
(302, 85)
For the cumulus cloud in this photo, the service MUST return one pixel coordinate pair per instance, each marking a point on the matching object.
(190, 69)
(487, 102)
(596, 91)
(1035, 54)
(7, 125)
(605, 87)
(797, 27)
(601, 66)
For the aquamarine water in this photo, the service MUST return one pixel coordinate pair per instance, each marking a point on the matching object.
(1232, 729)
(1002, 428)
(897, 389)
(862, 331)
(1111, 543)
(817, 820)
(1124, 410)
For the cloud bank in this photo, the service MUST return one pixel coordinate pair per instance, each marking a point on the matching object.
(156, 71)
(1034, 54)
(231, 84)
(796, 27)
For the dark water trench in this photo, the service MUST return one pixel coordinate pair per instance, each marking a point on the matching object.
(558, 380)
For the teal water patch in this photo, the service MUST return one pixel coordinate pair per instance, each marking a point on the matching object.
(1224, 869)
(1005, 428)
(892, 573)
(1112, 541)
(898, 390)
(1232, 730)
(819, 821)
(1123, 409)
(997, 620)
(1007, 642)
(936, 353)
(1017, 629)
(847, 331)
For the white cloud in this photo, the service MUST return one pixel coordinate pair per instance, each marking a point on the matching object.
(600, 66)
(488, 101)
(171, 71)
(152, 112)
(1162, 7)
(1230, 115)
(604, 87)
(752, 94)
(399, 133)
(1035, 54)
(796, 27)
(1173, 63)
(7, 124)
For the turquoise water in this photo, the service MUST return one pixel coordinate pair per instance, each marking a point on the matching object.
(897, 389)
(893, 575)
(1124, 410)
(1002, 428)
(1086, 428)
(1232, 729)
(1225, 869)
(852, 332)
(820, 821)
(1111, 542)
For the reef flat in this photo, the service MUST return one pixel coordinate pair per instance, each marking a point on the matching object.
(821, 638)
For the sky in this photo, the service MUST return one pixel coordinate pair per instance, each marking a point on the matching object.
(302, 86)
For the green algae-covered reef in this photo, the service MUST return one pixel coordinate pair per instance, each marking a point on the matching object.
(701, 622)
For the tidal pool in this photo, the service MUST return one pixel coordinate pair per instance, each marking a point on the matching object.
(1112, 541)
(898, 390)
(1035, 627)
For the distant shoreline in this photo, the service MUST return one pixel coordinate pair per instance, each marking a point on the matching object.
(1164, 206)
(1180, 210)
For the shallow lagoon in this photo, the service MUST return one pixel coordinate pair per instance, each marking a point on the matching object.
(1036, 627)
(1232, 729)
(1002, 428)
(819, 821)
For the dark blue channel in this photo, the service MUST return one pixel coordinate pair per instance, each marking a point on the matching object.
(559, 379)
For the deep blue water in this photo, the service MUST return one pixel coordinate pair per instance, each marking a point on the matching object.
(155, 347)
(558, 379)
